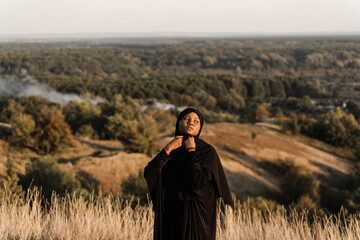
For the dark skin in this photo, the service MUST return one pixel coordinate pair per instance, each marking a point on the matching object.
(189, 125)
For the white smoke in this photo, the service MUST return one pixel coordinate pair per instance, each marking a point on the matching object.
(29, 86)
(162, 106)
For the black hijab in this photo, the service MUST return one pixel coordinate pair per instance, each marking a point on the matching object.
(183, 114)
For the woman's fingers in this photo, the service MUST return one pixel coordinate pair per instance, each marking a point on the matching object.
(174, 144)
(177, 142)
(190, 142)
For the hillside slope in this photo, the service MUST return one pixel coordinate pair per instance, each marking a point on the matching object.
(249, 153)
(251, 163)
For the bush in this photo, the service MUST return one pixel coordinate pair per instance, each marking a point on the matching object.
(47, 174)
(260, 114)
(4, 147)
(39, 125)
(135, 186)
(52, 133)
(136, 130)
(24, 125)
(10, 108)
(10, 190)
(164, 119)
(357, 152)
(352, 203)
(266, 206)
(137, 135)
(87, 131)
(299, 123)
(298, 182)
(214, 117)
(335, 127)
(81, 114)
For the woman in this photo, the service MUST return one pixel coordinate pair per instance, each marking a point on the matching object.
(184, 180)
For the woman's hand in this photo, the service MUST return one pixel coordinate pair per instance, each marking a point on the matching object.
(174, 144)
(190, 144)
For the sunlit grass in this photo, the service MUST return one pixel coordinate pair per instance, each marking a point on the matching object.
(106, 218)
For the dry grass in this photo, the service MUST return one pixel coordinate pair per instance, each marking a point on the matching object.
(104, 218)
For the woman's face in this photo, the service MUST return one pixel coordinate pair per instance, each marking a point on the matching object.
(190, 124)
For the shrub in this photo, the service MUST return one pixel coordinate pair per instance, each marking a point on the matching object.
(10, 108)
(351, 191)
(47, 174)
(164, 119)
(135, 186)
(335, 127)
(306, 202)
(38, 125)
(291, 124)
(214, 117)
(10, 189)
(80, 114)
(3, 147)
(338, 128)
(253, 135)
(277, 113)
(260, 114)
(264, 205)
(24, 125)
(144, 135)
(298, 182)
(352, 202)
(137, 135)
(357, 151)
(52, 133)
(87, 131)
(299, 123)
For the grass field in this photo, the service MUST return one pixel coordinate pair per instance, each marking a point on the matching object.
(104, 218)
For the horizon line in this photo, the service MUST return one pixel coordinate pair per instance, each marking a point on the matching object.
(165, 34)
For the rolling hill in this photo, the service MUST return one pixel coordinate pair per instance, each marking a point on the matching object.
(249, 153)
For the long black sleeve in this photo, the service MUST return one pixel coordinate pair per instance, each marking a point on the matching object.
(200, 175)
(158, 161)
(153, 169)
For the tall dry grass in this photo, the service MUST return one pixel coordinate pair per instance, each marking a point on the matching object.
(105, 218)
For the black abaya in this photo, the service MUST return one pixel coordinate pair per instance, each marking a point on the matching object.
(184, 187)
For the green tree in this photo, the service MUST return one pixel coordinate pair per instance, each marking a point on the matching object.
(260, 114)
(24, 127)
(137, 135)
(52, 133)
(81, 114)
(10, 108)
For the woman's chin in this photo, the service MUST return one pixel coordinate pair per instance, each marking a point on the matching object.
(190, 134)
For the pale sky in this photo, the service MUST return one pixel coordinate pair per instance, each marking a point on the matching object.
(204, 16)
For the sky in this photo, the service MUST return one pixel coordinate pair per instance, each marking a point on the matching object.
(178, 16)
